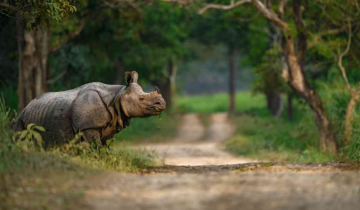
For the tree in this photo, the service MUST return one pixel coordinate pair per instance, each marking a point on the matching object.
(294, 50)
(148, 38)
(33, 19)
(229, 29)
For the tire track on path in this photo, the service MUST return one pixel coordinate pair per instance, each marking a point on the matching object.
(196, 145)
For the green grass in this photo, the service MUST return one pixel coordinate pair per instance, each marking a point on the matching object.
(269, 139)
(152, 129)
(245, 101)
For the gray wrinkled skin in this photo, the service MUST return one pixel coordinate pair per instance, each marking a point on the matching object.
(96, 109)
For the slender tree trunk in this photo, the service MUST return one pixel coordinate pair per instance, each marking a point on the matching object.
(274, 100)
(33, 55)
(349, 117)
(293, 65)
(274, 103)
(119, 71)
(290, 108)
(298, 82)
(168, 88)
(173, 72)
(231, 80)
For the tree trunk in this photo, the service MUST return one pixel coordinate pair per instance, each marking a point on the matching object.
(349, 117)
(33, 49)
(274, 103)
(290, 108)
(119, 71)
(274, 100)
(231, 80)
(168, 88)
(298, 82)
(293, 65)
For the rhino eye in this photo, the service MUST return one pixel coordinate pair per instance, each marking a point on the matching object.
(141, 98)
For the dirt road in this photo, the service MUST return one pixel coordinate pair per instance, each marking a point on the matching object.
(202, 176)
(197, 145)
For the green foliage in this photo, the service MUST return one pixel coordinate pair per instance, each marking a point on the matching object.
(30, 138)
(337, 97)
(104, 157)
(268, 73)
(38, 13)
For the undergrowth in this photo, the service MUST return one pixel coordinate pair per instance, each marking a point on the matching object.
(269, 139)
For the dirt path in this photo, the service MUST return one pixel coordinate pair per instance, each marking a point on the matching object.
(196, 145)
(198, 177)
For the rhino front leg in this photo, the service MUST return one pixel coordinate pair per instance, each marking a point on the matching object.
(92, 135)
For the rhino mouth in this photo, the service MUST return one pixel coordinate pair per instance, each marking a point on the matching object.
(159, 108)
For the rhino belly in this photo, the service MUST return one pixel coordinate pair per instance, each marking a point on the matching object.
(51, 112)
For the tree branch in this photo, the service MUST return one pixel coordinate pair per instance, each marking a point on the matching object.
(271, 15)
(8, 6)
(343, 72)
(316, 38)
(70, 36)
(282, 5)
(223, 7)
(301, 29)
(51, 81)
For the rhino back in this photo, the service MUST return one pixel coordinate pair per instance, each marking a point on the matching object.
(52, 111)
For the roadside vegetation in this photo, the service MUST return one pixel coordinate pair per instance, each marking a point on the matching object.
(261, 136)
(153, 129)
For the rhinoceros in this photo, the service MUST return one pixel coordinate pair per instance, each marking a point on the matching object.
(96, 109)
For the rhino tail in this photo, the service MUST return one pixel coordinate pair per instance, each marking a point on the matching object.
(18, 124)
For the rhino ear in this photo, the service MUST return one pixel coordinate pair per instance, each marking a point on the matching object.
(127, 78)
(135, 76)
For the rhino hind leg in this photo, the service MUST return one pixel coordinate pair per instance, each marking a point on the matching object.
(18, 125)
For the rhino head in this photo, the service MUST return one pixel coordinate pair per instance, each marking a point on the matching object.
(136, 103)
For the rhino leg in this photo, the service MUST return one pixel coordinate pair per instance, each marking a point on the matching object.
(92, 135)
(90, 115)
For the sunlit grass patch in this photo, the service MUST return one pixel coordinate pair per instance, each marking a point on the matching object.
(245, 101)
(122, 158)
(270, 139)
(152, 129)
